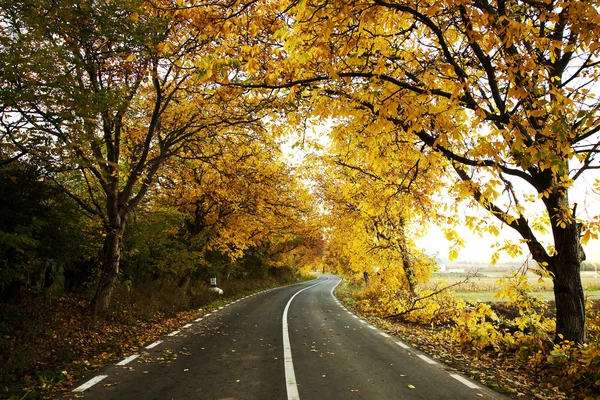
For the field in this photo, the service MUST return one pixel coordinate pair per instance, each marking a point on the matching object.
(482, 285)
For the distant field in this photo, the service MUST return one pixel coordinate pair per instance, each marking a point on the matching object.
(484, 285)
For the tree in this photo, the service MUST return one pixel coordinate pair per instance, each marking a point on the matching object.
(238, 197)
(376, 200)
(502, 89)
(105, 92)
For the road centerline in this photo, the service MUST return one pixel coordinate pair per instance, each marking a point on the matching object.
(290, 376)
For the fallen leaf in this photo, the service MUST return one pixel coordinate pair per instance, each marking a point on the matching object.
(411, 387)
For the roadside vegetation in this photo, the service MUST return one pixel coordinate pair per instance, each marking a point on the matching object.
(498, 330)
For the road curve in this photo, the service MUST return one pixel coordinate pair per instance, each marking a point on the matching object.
(248, 350)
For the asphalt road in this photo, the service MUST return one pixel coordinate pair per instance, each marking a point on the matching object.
(246, 351)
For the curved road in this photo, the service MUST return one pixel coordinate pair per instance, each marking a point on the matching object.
(246, 351)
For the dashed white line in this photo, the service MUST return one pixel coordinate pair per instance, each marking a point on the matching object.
(128, 359)
(187, 326)
(363, 322)
(385, 335)
(355, 316)
(288, 362)
(426, 359)
(90, 383)
(206, 315)
(372, 327)
(199, 319)
(153, 345)
(465, 381)
(173, 333)
(403, 345)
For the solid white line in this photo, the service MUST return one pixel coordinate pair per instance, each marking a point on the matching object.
(173, 333)
(90, 383)
(384, 334)
(128, 359)
(465, 381)
(426, 359)
(153, 345)
(403, 345)
(290, 375)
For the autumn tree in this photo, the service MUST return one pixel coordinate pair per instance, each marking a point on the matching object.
(379, 198)
(504, 90)
(238, 198)
(105, 92)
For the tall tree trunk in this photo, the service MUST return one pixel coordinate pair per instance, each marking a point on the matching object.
(568, 290)
(110, 266)
(566, 267)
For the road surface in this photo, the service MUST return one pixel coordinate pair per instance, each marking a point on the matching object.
(296, 342)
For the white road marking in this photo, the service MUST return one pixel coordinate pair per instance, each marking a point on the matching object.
(128, 359)
(288, 362)
(385, 335)
(90, 383)
(199, 319)
(173, 333)
(372, 327)
(187, 326)
(403, 345)
(465, 381)
(426, 359)
(362, 322)
(153, 345)
(355, 316)
(206, 315)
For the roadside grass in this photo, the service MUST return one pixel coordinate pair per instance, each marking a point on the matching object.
(49, 341)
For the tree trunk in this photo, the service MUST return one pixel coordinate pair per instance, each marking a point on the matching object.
(568, 291)
(110, 269)
(185, 280)
(413, 283)
(565, 266)
(366, 277)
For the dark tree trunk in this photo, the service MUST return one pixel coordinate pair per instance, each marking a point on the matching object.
(110, 268)
(366, 277)
(568, 291)
(565, 265)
